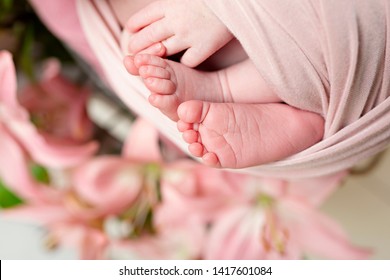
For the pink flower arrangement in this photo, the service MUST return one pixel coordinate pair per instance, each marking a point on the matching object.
(22, 143)
(136, 205)
(248, 217)
(65, 102)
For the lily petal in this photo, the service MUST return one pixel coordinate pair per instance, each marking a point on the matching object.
(177, 243)
(236, 236)
(108, 183)
(14, 169)
(142, 143)
(50, 151)
(42, 214)
(319, 235)
(7, 80)
(91, 242)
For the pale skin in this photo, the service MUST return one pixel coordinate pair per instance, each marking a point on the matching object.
(180, 26)
(229, 117)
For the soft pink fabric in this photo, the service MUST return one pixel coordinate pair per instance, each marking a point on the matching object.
(329, 57)
(61, 18)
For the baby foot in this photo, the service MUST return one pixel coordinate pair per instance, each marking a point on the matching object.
(172, 83)
(157, 49)
(243, 135)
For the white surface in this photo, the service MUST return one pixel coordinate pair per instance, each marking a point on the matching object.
(362, 206)
(20, 241)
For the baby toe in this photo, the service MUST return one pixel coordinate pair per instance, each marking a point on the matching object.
(183, 126)
(147, 59)
(193, 111)
(147, 71)
(191, 136)
(196, 149)
(160, 86)
(211, 159)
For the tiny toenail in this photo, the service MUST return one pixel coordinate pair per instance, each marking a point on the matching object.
(195, 126)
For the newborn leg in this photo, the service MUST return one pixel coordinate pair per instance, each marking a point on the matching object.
(172, 83)
(243, 135)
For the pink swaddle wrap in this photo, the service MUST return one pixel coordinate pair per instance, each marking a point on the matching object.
(329, 57)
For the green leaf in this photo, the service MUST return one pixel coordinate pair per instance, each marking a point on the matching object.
(7, 198)
(5, 8)
(7, 4)
(40, 174)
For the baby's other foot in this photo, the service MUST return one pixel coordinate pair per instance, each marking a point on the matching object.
(157, 49)
(160, 79)
(172, 83)
(243, 135)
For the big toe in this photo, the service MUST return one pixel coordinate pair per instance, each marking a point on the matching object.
(193, 111)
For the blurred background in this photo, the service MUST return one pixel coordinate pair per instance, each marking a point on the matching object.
(361, 205)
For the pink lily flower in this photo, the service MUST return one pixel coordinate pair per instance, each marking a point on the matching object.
(98, 190)
(42, 146)
(275, 221)
(201, 194)
(57, 107)
(174, 240)
(14, 169)
(180, 242)
(250, 217)
(106, 206)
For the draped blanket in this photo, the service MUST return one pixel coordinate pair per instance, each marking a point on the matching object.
(331, 57)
